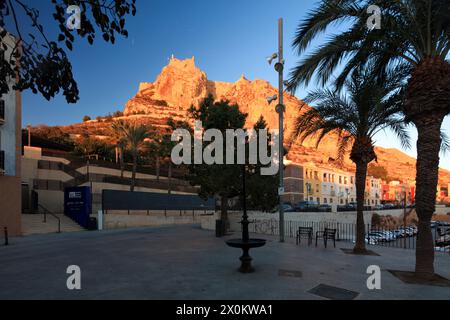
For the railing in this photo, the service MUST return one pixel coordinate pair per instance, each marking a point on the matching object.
(46, 211)
(398, 237)
(2, 111)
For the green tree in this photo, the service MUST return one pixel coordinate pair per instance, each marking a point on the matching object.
(135, 136)
(118, 139)
(378, 172)
(86, 118)
(220, 180)
(356, 117)
(415, 35)
(261, 189)
(44, 64)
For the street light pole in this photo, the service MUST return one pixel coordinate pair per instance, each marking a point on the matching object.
(280, 109)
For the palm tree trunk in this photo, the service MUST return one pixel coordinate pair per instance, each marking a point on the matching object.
(157, 168)
(133, 174)
(122, 164)
(427, 172)
(361, 173)
(170, 177)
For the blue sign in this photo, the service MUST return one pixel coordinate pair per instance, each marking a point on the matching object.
(78, 205)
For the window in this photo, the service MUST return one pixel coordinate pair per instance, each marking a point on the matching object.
(324, 177)
(352, 180)
(331, 200)
(342, 201)
(325, 200)
(318, 200)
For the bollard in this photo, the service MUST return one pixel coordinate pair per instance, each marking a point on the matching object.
(100, 220)
(6, 236)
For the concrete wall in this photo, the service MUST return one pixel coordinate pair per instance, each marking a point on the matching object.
(10, 205)
(153, 219)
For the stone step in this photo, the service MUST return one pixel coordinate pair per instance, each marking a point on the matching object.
(33, 224)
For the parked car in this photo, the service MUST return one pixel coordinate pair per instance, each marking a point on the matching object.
(379, 207)
(434, 224)
(288, 208)
(388, 206)
(445, 249)
(324, 208)
(398, 233)
(443, 241)
(376, 236)
(306, 205)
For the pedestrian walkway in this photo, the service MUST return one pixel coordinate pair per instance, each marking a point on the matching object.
(185, 262)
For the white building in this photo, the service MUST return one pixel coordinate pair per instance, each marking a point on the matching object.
(10, 152)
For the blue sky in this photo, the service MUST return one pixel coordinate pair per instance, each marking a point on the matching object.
(227, 37)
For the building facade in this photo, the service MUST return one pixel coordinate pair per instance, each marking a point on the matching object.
(326, 185)
(394, 192)
(10, 156)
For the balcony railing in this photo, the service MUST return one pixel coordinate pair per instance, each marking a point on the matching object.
(2, 162)
(2, 111)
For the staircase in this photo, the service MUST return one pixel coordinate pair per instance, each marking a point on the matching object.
(33, 224)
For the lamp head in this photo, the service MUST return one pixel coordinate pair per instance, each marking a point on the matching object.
(272, 98)
(272, 57)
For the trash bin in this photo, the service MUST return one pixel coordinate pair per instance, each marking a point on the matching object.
(219, 228)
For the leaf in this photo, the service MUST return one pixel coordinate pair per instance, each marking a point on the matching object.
(69, 45)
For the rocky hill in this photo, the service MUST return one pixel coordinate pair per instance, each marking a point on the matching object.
(182, 84)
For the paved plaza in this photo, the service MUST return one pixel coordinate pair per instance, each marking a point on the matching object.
(185, 262)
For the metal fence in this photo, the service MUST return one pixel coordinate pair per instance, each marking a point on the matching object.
(374, 236)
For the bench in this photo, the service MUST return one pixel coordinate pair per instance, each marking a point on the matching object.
(306, 233)
(327, 234)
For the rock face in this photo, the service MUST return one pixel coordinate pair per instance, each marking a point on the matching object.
(182, 84)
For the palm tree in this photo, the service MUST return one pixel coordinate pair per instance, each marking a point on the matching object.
(355, 117)
(134, 135)
(414, 34)
(119, 141)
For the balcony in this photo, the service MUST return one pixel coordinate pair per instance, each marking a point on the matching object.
(2, 112)
(2, 163)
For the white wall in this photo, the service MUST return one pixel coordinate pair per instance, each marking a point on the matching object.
(8, 129)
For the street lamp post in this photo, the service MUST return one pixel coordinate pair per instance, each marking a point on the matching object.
(280, 109)
(29, 135)
(279, 67)
(404, 214)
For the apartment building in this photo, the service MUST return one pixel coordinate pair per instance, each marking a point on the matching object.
(326, 185)
(338, 187)
(10, 154)
(373, 191)
(394, 191)
(312, 183)
(294, 184)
